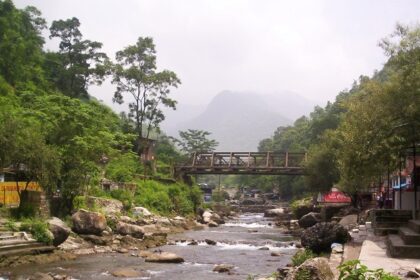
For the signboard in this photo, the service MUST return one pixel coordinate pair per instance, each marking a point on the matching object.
(336, 197)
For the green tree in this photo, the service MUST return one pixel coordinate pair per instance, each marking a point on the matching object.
(383, 114)
(193, 140)
(20, 44)
(79, 63)
(322, 166)
(135, 74)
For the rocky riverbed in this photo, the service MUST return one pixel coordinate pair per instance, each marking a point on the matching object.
(246, 245)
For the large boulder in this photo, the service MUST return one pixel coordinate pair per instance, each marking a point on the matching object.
(217, 219)
(141, 212)
(59, 229)
(329, 211)
(164, 257)
(276, 212)
(349, 221)
(207, 216)
(309, 220)
(314, 269)
(108, 205)
(129, 229)
(86, 222)
(319, 237)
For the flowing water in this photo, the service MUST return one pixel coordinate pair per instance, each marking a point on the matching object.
(245, 242)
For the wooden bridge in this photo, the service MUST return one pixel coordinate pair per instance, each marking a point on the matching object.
(251, 163)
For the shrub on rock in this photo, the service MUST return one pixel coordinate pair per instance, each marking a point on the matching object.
(319, 237)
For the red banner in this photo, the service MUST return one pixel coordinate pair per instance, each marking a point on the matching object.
(336, 197)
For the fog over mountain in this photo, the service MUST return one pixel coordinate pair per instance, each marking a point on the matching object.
(239, 120)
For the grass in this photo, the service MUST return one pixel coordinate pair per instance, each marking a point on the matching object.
(38, 229)
(301, 256)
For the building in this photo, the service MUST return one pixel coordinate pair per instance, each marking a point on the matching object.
(403, 185)
(10, 185)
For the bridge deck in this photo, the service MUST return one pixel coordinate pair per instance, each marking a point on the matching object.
(257, 163)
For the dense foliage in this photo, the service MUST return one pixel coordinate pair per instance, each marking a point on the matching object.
(54, 133)
(353, 269)
(364, 133)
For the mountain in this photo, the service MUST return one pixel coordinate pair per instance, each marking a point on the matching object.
(239, 120)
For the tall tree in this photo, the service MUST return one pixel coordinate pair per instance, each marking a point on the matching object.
(194, 140)
(135, 74)
(79, 63)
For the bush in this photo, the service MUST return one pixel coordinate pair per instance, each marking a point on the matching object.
(125, 196)
(353, 269)
(11, 225)
(301, 256)
(167, 199)
(98, 192)
(79, 202)
(123, 167)
(301, 207)
(38, 229)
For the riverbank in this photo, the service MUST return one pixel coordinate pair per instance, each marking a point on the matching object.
(249, 244)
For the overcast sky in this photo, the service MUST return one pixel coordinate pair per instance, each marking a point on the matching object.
(314, 48)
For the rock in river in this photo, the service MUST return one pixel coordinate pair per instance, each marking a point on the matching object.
(210, 242)
(212, 224)
(86, 222)
(223, 268)
(274, 212)
(164, 257)
(128, 273)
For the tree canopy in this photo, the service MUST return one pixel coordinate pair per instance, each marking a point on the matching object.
(135, 74)
(193, 140)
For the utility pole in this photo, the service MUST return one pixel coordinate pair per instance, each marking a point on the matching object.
(414, 178)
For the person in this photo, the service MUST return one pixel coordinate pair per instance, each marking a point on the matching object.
(380, 200)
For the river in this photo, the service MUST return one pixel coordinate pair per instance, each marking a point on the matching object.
(245, 242)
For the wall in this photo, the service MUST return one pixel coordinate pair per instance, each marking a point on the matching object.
(407, 200)
(9, 195)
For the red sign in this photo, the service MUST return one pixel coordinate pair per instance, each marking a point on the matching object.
(336, 197)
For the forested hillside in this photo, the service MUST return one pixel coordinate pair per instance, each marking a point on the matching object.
(51, 130)
(365, 131)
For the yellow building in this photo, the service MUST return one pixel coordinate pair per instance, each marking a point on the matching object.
(9, 191)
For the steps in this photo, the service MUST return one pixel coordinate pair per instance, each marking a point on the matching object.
(388, 221)
(21, 243)
(407, 243)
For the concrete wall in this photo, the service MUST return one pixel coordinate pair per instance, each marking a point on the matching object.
(407, 200)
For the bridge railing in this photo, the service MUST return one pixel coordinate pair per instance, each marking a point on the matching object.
(247, 160)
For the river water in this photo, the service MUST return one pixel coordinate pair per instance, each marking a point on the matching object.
(245, 242)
